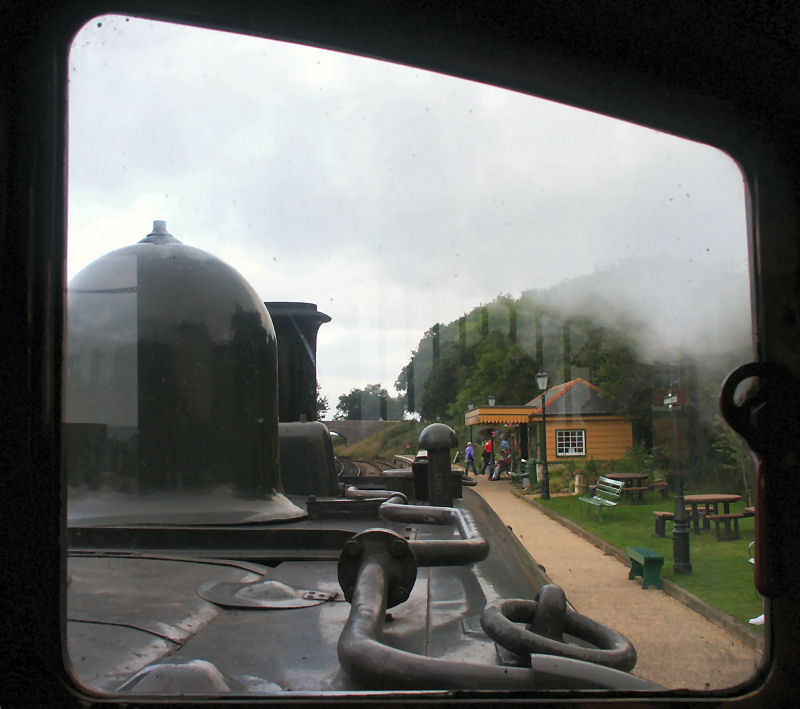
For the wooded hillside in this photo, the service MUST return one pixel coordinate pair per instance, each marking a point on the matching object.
(497, 348)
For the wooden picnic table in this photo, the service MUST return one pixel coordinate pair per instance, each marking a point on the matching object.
(635, 485)
(710, 503)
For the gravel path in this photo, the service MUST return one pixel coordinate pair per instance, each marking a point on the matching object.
(677, 647)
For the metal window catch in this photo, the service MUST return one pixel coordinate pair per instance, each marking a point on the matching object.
(767, 416)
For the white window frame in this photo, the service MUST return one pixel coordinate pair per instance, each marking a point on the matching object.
(570, 442)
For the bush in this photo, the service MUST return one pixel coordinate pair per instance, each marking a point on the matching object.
(557, 482)
(592, 471)
(638, 460)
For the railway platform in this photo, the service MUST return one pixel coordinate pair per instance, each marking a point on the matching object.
(677, 647)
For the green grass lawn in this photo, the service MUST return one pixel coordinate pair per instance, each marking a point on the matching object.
(721, 575)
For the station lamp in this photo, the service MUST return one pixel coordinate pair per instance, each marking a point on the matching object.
(541, 382)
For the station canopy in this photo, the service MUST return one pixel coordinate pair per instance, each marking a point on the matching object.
(499, 414)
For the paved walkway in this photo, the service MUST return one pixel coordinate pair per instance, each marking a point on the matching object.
(677, 647)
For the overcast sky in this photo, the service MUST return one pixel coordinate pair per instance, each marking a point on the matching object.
(391, 197)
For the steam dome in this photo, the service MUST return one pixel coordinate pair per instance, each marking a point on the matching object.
(171, 404)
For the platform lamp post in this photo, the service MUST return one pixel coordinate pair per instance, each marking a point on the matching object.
(470, 406)
(680, 522)
(492, 399)
(541, 382)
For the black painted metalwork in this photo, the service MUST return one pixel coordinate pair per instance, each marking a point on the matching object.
(541, 379)
(263, 594)
(267, 545)
(437, 439)
(400, 566)
(367, 658)
(761, 402)
(680, 528)
(296, 326)
(469, 548)
(164, 343)
(307, 460)
(549, 625)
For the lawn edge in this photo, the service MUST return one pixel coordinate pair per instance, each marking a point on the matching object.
(746, 635)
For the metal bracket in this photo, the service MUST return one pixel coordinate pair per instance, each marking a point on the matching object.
(548, 621)
(402, 565)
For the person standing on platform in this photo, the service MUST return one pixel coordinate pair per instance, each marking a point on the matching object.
(487, 456)
(469, 459)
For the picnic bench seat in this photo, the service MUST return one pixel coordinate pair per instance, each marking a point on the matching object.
(727, 518)
(647, 564)
(662, 486)
(607, 493)
(635, 494)
(661, 521)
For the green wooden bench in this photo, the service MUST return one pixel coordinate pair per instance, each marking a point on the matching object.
(647, 564)
(518, 478)
(607, 494)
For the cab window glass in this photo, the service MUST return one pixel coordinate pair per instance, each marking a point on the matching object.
(412, 248)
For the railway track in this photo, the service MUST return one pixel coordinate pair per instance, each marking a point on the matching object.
(360, 468)
(350, 469)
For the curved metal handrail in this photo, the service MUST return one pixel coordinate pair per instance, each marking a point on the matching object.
(440, 552)
(367, 659)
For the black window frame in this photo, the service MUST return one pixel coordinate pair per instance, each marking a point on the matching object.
(673, 67)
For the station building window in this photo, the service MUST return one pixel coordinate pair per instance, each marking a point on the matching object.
(571, 442)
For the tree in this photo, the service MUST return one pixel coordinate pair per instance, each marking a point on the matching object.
(497, 349)
(619, 370)
(405, 385)
(504, 369)
(365, 404)
(322, 404)
(441, 387)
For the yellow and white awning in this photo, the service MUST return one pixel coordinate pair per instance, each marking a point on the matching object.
(498, 414)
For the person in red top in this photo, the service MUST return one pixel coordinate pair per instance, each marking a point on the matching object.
(487, 456)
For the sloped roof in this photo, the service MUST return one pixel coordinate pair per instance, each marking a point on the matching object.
(575, 397)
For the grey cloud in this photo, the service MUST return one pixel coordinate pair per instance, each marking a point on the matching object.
(323, 177)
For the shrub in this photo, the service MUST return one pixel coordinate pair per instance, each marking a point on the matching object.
(591, 471)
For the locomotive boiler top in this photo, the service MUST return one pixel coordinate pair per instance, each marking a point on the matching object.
(171, 387)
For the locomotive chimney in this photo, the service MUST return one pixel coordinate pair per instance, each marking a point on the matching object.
(296, 326)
